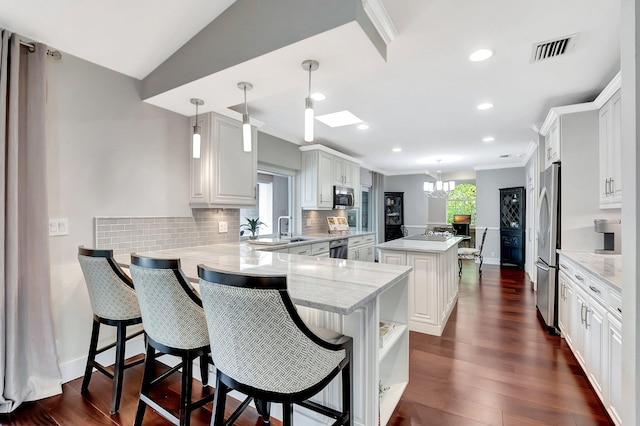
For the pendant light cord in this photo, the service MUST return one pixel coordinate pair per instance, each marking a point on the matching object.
(246, 108)
(309, 81)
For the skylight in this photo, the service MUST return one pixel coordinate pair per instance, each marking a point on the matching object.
(339, 119)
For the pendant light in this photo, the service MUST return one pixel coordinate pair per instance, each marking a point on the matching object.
(439, 189)
(246, 125)
(196, 129)
(309, 65)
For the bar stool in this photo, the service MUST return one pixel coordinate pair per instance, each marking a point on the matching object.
(175, 324)
(264, 350)
(114, 303)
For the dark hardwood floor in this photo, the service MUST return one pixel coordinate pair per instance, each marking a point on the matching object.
(494, 365)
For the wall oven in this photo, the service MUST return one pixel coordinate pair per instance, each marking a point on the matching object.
(343, 197)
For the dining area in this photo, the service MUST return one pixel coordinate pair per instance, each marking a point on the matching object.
(278, 330)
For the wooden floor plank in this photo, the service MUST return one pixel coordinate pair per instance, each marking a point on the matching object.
(494, 364)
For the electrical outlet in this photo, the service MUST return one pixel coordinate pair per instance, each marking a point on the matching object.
(58, 226)
(223, 227)
(308, 222)
(493, 254)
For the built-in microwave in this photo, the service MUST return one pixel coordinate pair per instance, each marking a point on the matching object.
(342, 197)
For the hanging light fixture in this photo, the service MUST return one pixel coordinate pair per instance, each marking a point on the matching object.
(309, 65)
(438, 189)
(246, 125)
(196, 129)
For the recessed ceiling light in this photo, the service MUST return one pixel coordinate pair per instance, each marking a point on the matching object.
(485, 105)
(339, 119)
(481, 55)
(363, 126)
(488, 139)
(396, 149)
(318, 96)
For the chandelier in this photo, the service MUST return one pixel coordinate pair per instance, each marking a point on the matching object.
(438, 189)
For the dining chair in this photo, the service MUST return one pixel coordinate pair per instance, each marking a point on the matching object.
(264, 349)
(174, 324)
(471, 253)
(114, 303)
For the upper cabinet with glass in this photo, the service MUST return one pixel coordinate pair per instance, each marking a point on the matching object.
(224, 176)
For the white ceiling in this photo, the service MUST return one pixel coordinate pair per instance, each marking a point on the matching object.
(421, 99)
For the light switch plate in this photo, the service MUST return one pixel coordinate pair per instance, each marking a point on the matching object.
(223, 227)
(58, 226)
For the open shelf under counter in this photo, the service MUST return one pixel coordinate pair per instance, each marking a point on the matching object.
(390, 400)
(394, 337)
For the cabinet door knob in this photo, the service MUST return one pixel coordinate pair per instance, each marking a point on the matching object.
(620, 310)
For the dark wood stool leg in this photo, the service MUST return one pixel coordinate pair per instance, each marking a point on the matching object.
(116, 390)
(219, 402)
(93, 346)
(204, 369)
(264, 409)
(147, 378)
(185, 394)
(287, 414)
(347, 389)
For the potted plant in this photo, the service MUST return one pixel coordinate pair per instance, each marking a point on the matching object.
(252, 225)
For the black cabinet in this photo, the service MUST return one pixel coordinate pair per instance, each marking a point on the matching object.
(393, 215)
(512, 226)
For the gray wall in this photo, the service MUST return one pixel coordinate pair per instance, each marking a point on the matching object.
(109, 154)
(278, 152)
(580, 201)
(415, 202)
(488, 183)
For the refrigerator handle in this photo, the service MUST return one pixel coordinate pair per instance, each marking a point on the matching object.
(542, 266)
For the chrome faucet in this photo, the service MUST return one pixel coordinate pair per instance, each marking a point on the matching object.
(289, 232)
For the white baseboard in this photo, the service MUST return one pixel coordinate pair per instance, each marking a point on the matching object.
(74, 369)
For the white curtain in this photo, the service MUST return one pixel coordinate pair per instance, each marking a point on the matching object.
(28, 361)
(377, 201)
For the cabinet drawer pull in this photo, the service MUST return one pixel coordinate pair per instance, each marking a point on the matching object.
(578, 277)
(302, 252)
(594, 289)
(586, 317)
(619, 310)
(563, 266)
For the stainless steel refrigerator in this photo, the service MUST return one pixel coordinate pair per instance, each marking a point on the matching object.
(548, 243)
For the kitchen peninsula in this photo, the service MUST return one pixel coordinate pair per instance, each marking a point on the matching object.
(342, 295)
(433, 283)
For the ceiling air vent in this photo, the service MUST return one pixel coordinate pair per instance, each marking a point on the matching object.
(552, 48)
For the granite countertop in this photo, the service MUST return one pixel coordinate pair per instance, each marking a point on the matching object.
(608, 267)
(276, 244)
(334, 285)
(404, 244)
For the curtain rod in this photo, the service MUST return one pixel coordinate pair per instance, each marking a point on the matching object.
(55, 54)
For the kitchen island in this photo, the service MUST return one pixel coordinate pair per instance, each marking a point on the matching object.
(346, 296)
(433, 283)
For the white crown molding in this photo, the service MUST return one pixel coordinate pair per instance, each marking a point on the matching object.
(330, 151)
(614, 85)
(606, 94)
(379, 16)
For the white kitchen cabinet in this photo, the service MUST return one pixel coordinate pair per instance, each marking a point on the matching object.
(590, 319)
(224, 176)
(596, 335)
(317, 180)
(565, 305)
(579, 336)
(321, 170)
(614, 370)
(361, 248)
(610, 187)
(433, 286)
(303, 250)
(552, 144)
